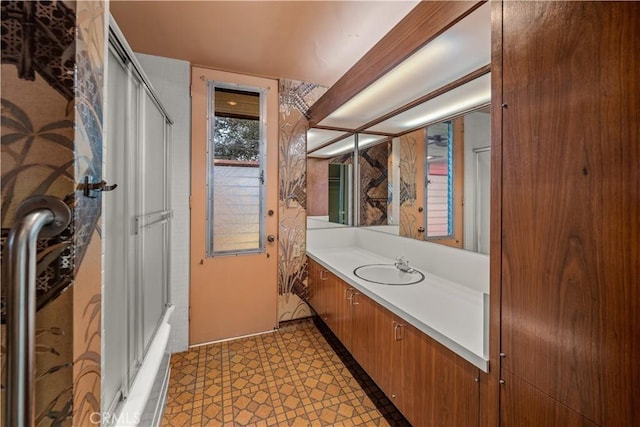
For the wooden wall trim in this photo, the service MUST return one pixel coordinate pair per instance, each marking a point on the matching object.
(426, 21)
(490, 395)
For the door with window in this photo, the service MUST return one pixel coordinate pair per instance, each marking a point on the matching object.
(234, 201)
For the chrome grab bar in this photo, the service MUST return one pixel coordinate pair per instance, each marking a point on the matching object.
(48, 216)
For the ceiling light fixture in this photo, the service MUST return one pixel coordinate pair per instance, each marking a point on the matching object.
(433, 66)
(449, 110)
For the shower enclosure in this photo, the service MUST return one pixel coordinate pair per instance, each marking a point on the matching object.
(136, 221)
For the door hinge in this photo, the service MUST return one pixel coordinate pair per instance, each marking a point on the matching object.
(190, 202)
(189, 313)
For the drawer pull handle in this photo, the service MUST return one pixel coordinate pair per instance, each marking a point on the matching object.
(354, 300)
(397, 331)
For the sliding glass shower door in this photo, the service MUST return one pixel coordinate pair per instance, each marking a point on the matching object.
(136, 221)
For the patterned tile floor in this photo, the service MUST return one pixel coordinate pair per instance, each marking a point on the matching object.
(298, 376)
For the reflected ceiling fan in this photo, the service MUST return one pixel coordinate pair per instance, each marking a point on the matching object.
(438, 140)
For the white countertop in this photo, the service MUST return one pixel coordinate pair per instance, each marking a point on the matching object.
(452, 314)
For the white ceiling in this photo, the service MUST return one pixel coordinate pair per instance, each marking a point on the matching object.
(312, 41)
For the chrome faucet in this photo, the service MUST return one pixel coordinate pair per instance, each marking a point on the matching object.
(403, 265)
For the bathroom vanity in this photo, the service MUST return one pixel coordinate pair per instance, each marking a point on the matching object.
(424, 344)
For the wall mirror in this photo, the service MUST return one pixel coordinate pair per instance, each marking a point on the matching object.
(431, 184)
(426, 174)
(375, 187)
(330, 179)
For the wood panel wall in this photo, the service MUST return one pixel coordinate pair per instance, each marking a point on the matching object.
(570, 212)
(490, 391)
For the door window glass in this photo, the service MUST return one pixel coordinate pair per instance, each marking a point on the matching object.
(236, 175)
(440, 180)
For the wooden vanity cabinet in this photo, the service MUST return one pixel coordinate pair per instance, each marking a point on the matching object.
(446, 387)
(317, 289)
(322, 286)
(428, 383)
(339, 308)
(365, 341)
(329, 297)
(313, 286)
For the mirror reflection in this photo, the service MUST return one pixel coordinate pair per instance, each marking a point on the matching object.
(339, 193)
(431, 184)
(374, 155)
(330, 184)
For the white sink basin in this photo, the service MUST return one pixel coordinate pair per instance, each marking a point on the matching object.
(388, 274)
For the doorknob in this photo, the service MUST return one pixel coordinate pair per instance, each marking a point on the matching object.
(271, 238)
(420, 229)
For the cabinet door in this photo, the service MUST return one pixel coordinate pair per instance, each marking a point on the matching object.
(439, 388)
(342, 294)
(408, 386)
(324, 289)
(338, 307)
(317, 291)
(383, 370)
(396, 360)
(525, 406)
(313, 285)
(570, 234)
(363, 343)
(331, 301)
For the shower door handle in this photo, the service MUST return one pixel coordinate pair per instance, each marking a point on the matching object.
(101, 186)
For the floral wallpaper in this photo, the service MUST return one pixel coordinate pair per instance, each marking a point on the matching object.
(90, 59)
(411, 184)
(41, 139)
(295, 99)
(37, 158)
